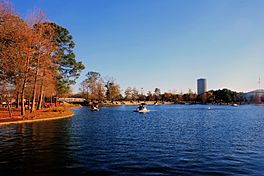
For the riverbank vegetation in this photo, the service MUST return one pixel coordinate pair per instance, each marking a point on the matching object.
(36, 60)
(95, 88)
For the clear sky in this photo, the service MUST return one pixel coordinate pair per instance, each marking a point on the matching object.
(164, 43)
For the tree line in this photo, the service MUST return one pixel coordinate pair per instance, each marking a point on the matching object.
(95, 87)
(36, 58)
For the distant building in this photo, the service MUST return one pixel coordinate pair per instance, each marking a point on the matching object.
(201, 86)
(255, 96)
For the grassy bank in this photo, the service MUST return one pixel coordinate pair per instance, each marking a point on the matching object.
(45, 114)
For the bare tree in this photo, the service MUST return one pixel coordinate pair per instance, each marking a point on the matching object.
(43, 57)
(128, 93)
(93, 86)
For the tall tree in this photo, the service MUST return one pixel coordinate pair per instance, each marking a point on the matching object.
(25, 54)
(11, 30)
(69, 68)
(113, 90)
(128, 93)
(135, 94)
(93, 86)
(15, 49)
(43, 57)
(150, 96)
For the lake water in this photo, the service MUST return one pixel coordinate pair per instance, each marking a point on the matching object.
(170, 140)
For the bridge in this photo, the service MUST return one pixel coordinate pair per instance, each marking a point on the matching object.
(81, 101)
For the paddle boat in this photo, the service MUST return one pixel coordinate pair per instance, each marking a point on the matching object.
(95, 107)
(141, 108)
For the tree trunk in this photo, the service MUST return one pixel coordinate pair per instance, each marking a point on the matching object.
(33, 107)
(23, 110)
(17, 100)
(56, 99)
(40, 96)
(9, 109)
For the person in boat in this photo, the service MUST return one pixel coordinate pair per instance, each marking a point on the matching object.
(141, 107)
(95, 106)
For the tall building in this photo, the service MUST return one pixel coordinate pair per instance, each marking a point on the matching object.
(201, 86)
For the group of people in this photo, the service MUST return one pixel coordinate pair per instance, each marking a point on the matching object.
(141, 107)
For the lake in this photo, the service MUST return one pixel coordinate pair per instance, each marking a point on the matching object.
(169, 140)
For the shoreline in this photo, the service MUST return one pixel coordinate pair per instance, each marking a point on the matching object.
(150, 103)
(34, 120)
(134, 103)
(38, 116)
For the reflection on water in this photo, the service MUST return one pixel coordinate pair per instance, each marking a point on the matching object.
(170, 140)
(28, 149)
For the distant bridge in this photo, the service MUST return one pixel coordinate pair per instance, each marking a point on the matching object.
(81, 101)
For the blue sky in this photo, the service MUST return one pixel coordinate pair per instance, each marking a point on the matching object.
(164, 43)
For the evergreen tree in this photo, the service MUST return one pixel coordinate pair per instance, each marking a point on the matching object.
(69, 68)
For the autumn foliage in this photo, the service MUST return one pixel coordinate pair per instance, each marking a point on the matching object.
(29, 65)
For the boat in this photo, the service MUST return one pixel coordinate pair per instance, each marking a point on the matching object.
(234, 105)
(141, 108)
(94, 109)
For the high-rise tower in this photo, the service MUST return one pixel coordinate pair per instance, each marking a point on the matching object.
(201, 86)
